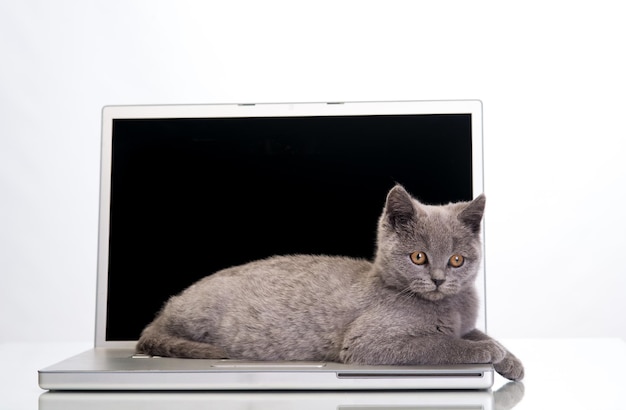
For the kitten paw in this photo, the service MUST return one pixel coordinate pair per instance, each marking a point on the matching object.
(488, 351)
(510, 367)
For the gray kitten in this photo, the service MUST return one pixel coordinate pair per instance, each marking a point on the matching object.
(415, 304)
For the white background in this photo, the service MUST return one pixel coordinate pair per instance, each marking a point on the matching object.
(551, 75)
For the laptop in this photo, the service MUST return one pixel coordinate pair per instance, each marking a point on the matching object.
(187, 190)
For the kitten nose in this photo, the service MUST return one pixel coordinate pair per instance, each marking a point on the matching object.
(438, 277)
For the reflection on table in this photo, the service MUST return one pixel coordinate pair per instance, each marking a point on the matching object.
(503, 399)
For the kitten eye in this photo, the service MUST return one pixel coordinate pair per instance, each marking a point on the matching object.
(456, 261)
(419, 258)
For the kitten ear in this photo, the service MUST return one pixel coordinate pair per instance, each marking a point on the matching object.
(399, 210)
(472, 214)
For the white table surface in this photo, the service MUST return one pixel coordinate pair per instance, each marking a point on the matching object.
(560, 374)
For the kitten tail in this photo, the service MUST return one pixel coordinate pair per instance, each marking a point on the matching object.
(156, 343)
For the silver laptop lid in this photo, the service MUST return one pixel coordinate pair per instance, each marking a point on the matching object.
(187, 190)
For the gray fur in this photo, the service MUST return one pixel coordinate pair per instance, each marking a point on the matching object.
(307, 307)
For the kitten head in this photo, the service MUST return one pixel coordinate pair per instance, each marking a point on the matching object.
(429, 251)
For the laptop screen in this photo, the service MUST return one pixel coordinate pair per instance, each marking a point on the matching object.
(191, 196)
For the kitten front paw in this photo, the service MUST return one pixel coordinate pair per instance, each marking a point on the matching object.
(488, 351)
(510, 367)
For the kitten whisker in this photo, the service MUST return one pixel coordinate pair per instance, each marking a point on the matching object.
(406, 294)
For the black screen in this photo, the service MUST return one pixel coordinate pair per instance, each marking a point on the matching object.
(192, 196)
